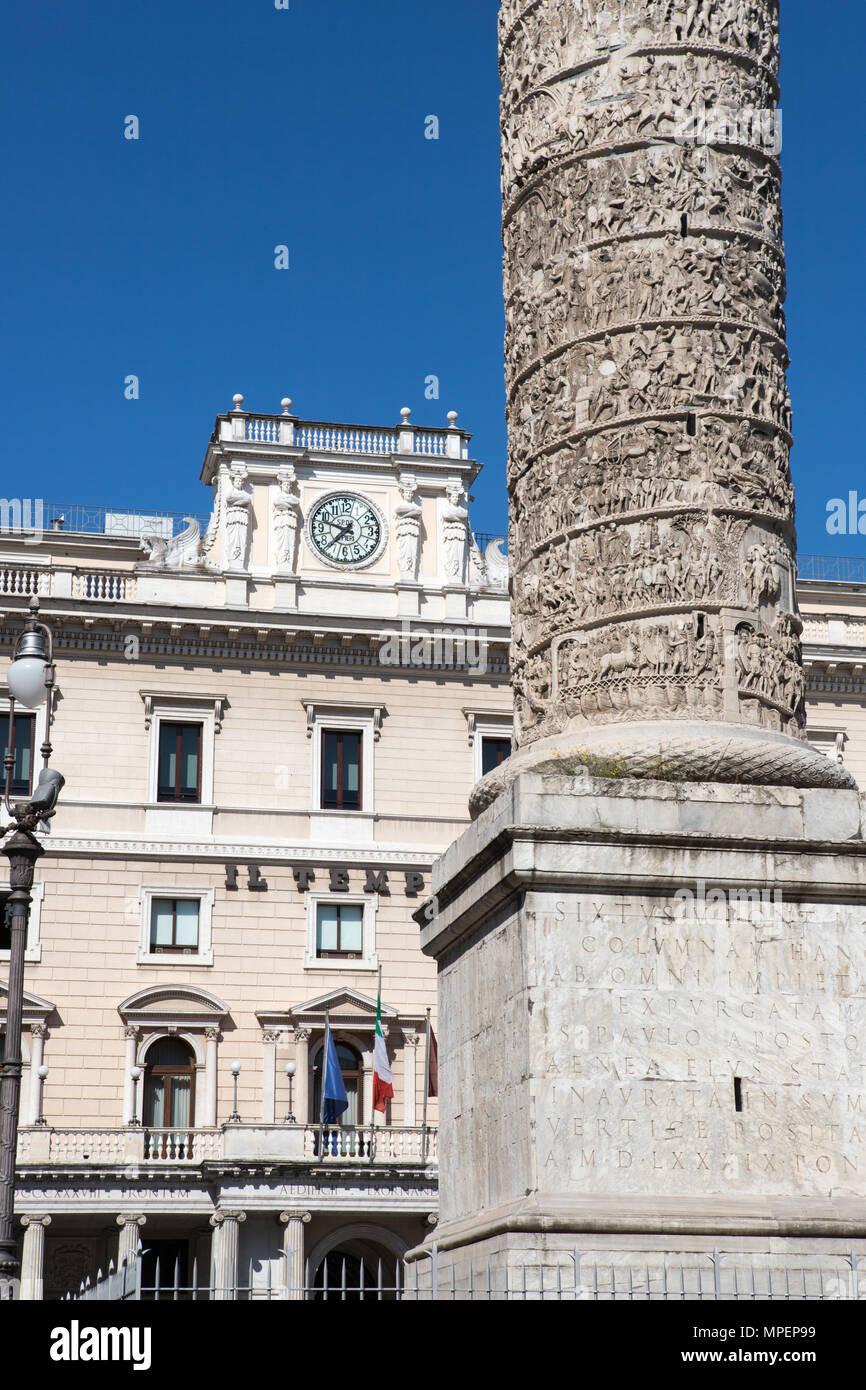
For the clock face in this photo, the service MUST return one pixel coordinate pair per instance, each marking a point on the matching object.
(345, 529)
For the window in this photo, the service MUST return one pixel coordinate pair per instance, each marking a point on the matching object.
(174, 926)
(339, 930)
(33, 948)
(494, 752)
(341, 771)
(179, 776)
(169, 1085)
(490, 738)
(25, 738)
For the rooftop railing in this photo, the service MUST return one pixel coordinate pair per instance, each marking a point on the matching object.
(323, 436)
(837, 569)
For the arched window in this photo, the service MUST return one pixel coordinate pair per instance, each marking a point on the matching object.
(352, 1068)
(169, 1085)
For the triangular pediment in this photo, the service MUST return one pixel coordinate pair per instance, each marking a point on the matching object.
(343, 1003)
(35, 1010)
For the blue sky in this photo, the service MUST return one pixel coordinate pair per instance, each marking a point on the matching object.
(305, 127)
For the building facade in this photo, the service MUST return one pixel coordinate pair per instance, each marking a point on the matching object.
(269, 720)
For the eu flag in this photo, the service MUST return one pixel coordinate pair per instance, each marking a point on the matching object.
(334, 1097)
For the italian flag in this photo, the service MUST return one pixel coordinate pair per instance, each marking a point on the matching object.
(383, 1077)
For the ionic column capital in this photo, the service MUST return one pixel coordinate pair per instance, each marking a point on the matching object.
(287, 1216)
(35, 1221)
(131, 1219)
(222, 1215)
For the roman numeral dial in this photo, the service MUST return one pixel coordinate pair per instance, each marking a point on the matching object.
(346, 529)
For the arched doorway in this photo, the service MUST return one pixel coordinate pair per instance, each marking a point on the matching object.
(355, 1270)
(169, 1097)
(352, 1067)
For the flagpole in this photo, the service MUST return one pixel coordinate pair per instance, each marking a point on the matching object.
(426, 1090)
(324, 1085)
(372, 1098)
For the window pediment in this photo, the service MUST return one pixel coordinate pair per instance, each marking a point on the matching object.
(173, 1006)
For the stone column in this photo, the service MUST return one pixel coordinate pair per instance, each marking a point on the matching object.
(270, 1038)
(411, 1052)
(293, 1253)
(33, 1258)
(655, 624)
(38, 1034)
(302, 1075)
(209, 1115)
(224, 1255)
(130, 1032)
(129, 1238)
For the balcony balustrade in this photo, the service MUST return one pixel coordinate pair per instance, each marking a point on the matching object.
(384, 1144)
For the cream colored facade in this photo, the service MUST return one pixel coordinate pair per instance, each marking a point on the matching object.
(244, 629)
(247, 631)
(834, 653)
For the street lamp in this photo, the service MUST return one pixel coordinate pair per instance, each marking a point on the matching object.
(135, 1073)
(42, 1073)
(291, 1068)
(234, 1117)
(30, 679)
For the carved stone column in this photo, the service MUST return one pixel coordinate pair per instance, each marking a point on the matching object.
(212, 1036)
(302, 1076)
(129, 1238)
(33, 1258)
(293, 1252)
(38, 1034)
(270, 1039)
(656, 628)
(130, 1032)
(411, 1053)
(224, 1255)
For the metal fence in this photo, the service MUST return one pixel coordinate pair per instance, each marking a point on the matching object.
(711, 1278)
(841, 569)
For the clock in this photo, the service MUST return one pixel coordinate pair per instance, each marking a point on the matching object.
(346, 530)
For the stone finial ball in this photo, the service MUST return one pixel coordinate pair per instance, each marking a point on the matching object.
(238, 401)
(406, 412)
(286, 404)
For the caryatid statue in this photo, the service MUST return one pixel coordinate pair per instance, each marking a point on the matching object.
(652, 513)
(286, 513)
(407, 527)
(238, 509)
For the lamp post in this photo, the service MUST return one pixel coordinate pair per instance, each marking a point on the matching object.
(135, 1073)
(30, 679)
(291, 1068)
(234, 1117)
(42, 1074)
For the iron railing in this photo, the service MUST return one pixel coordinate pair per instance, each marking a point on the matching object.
(838, 569)
(714, 1277)
(124, 522)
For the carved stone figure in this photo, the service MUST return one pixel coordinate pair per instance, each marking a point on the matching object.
(647, 406)
(286, 511)
(407, 528)
(238, 503)
(455, 534)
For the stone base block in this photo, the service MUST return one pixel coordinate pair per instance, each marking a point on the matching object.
(652, 1018)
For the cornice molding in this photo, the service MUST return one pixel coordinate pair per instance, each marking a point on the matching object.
(381, 855)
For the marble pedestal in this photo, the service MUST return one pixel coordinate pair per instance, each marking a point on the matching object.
(652, 1002)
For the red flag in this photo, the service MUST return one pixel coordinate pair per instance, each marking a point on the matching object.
(433, 1067)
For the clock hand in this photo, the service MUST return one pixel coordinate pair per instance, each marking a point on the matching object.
(342, 533)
